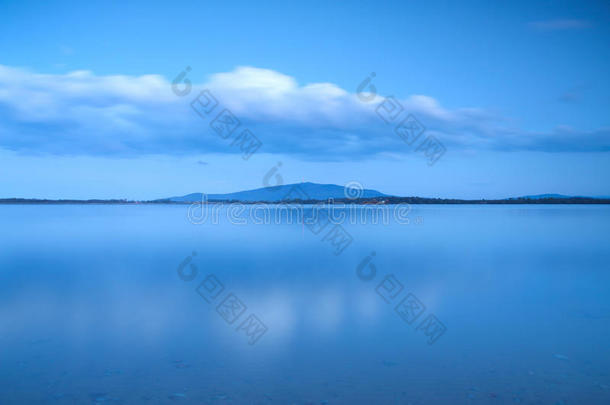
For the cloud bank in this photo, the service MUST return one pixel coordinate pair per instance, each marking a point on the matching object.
(80, 113)
(560, 24)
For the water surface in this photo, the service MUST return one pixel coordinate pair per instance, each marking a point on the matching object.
(92, 307)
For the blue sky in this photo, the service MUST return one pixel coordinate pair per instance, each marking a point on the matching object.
(517, 92)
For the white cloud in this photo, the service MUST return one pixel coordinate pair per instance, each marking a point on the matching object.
(88, 114)
(560, 24)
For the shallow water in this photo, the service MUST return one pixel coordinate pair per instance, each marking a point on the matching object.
(93, 308)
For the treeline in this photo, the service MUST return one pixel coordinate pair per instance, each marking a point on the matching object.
(423, 200)
(45, 201)
(376, 201)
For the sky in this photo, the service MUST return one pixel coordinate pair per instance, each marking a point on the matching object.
(469, 99)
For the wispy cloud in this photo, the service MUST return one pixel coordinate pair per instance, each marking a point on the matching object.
(560, 24)
(66, 50)
(87, 114)
(574, 94)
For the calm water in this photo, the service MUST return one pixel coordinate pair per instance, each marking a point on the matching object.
(93, 310)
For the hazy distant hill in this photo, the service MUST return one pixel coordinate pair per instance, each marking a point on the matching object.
(277, 193)
(543, 196)
(322, 192)
(539, 196)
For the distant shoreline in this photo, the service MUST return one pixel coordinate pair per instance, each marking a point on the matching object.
(367, 201)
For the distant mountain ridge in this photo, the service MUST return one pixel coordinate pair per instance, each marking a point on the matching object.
(323, 192)
(543, 196)
(539, 196)
(314, 191)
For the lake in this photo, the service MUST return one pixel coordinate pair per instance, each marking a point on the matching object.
(460, 304)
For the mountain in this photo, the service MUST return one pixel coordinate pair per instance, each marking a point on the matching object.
(323, 192)
(540, 196)
(277, 193)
